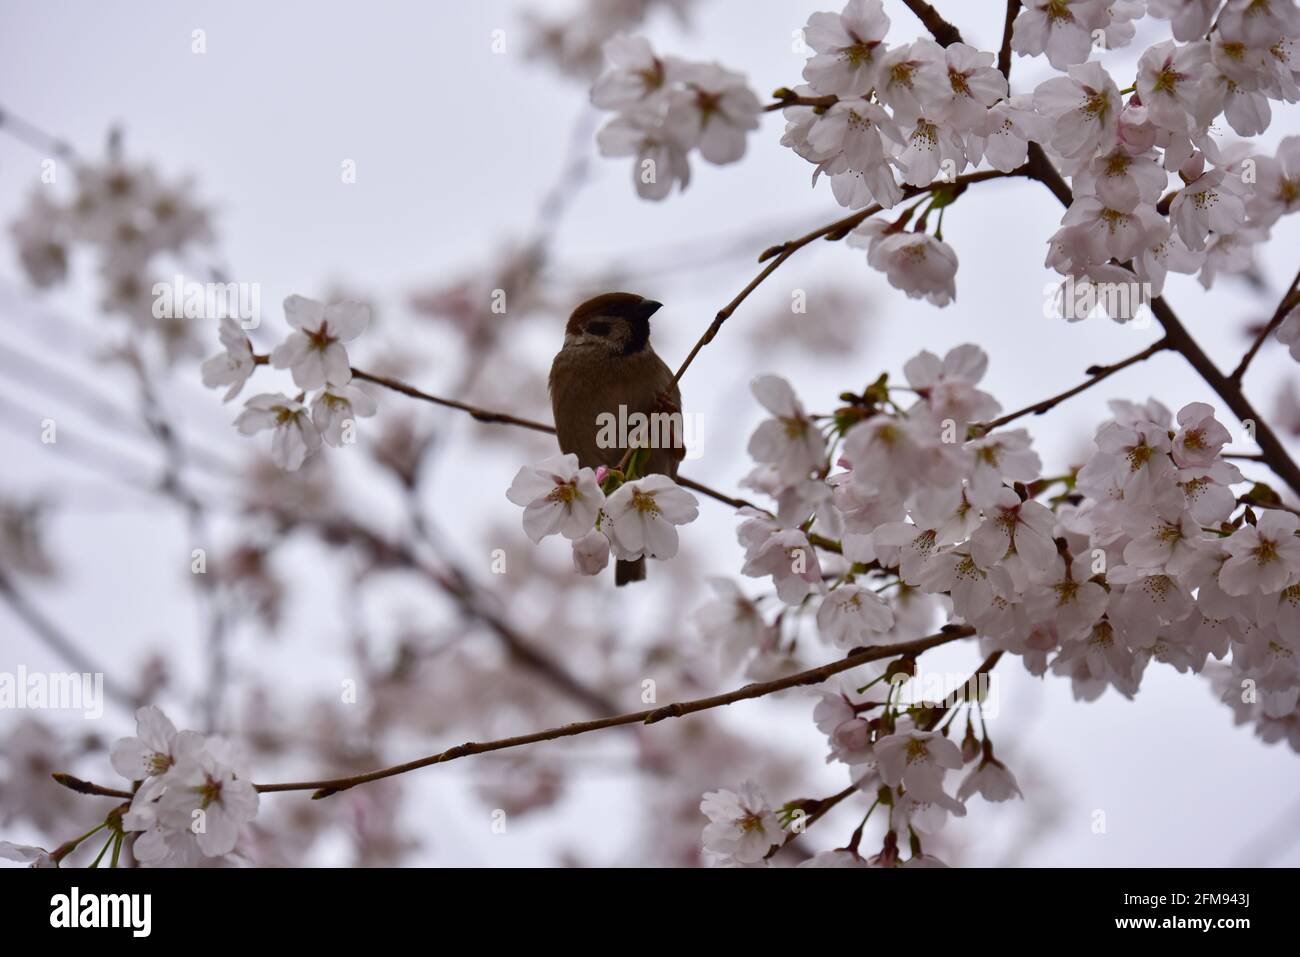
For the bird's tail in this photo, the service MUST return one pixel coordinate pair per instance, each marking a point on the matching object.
(625, 572)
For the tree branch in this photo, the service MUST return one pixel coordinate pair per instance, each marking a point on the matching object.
(1181, 341)
(943, 31)
(933, 718)
(1096, 373)
(1290, 300)
(482, 415)
(456, 586)
(329, 786)
(1004, 54)
(89, 787)
(62, 645)
(833, 232)
(504, 418)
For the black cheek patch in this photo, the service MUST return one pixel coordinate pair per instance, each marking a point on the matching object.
(598, 328)
(639, 335)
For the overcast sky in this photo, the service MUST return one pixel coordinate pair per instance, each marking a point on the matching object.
(454, 145)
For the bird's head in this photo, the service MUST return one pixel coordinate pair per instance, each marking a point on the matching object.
(618, 322)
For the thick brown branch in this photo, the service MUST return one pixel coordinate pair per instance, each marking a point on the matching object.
(943, 31)
(1004, 54)
(1181, 341)
(329, 786)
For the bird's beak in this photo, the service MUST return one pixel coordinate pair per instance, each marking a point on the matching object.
(648, 308)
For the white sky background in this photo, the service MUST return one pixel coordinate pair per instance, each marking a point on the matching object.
(454, 147)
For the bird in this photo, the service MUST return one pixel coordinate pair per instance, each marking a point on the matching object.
(607, 366)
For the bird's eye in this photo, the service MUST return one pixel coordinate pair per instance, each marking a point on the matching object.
(598, 328)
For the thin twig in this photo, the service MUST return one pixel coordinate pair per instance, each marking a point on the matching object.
(504, 418)
(1290, 300)
(89, 787)
(794, 99)
(482, 415)
(520, 649)
(1096, 374)
(820, 808)
(63, 646)
(34, 136)
(326, 787)
(831, 231)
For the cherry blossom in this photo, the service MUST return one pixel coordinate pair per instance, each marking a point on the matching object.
(1189, 18)
(713, 112)
(732, 621)
(917, 760)
(1083, 109)
(789, 441)
(661, 157)
(917, 263)
(848, 47)
(234, 365)
(791, 561)
(1169, 82)
(1277, 184)
(1067, 597)
(643, 516)
(27, 854)
(1207, 203)
(1011, 525)
(742, 826)
(557, 497)
(295, 436)
(591, 553)
(155, 750)
(1062, 29)
(1265, 557)
(969, 86)
(208, 782)
(336, 409)
(1288, 333)
(635, 74)
(998, 459)
(990, 779)
(315, 352)
(851, 615)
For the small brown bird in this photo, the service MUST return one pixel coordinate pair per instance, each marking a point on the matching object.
(607, 372)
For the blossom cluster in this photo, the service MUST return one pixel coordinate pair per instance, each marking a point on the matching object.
(638, 519)
(665, 107)
(317, 359)
(127, 215)
(193, 797)
(573, 42)
(1145, 555)
(876, 119)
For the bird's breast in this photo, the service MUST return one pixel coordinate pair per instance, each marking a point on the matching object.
(594, 397)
